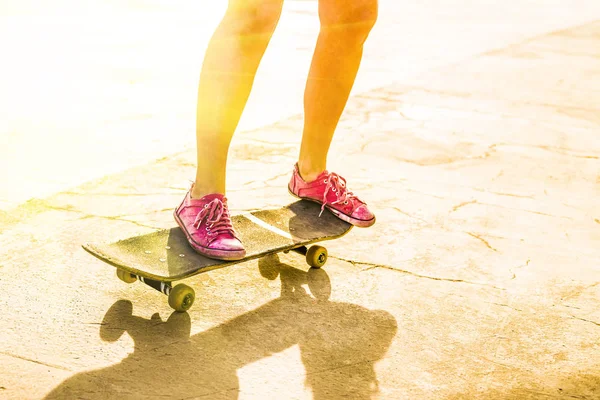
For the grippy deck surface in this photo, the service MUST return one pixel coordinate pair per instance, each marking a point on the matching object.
(166, 255)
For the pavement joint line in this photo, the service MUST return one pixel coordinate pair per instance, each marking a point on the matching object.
(388, 267)
(56, 366)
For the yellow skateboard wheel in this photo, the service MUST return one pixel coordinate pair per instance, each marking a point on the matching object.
(181, 297)
(316, 256)
(126, 276)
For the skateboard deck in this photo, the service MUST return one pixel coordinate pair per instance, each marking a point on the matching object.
(164, 256)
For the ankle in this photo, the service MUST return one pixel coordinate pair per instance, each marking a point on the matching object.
(198, 192)
(309, 172)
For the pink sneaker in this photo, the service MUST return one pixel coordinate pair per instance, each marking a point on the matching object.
(207, 226)
(329, 190)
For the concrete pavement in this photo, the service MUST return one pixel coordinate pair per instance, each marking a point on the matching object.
(480, 279)
(77, 76)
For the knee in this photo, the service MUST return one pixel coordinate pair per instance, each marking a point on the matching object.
(353, 17)
(252, 17)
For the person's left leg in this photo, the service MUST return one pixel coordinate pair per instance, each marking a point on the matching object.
(345, 25)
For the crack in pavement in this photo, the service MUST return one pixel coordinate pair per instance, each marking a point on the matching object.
(503, 305)
(67, 208)
(456, 207)
(514, 275)
(505, 207)
(35, 361)
(553, 149)
(520, 196)
(114, 194)
(338, 367)
(498, 363)
(241, 211)
(112, 218)
(236, 388)
(409, 215)
(426, 194)
(117, 218)
(374, 266)
(482, 239)
(580, 291)
(586, 320)
(560, 396)
(147, 212)
(264, 182)
(428, 161)
(525, 210)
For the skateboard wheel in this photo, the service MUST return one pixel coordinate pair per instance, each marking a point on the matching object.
(181, 297)
(316, 256)
(126, 276)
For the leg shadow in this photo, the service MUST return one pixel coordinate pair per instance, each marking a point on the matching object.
(339, 342)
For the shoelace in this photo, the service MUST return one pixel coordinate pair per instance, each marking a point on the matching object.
(217, 218)
(336, 184)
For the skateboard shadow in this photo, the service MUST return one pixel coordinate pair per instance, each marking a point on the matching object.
(339, 344)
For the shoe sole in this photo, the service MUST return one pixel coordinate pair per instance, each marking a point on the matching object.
(224, 255)
(361, 223)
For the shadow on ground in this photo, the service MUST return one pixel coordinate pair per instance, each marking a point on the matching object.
(584, 386)
(339, 345)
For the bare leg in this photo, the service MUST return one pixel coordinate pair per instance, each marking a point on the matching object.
(345, 25)
(228, 71)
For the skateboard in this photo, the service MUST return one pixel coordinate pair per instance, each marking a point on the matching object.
(160, 258)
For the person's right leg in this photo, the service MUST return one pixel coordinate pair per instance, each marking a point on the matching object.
(228, 71)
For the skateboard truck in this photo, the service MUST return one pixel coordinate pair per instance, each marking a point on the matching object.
(181, 296)
(316, 256)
